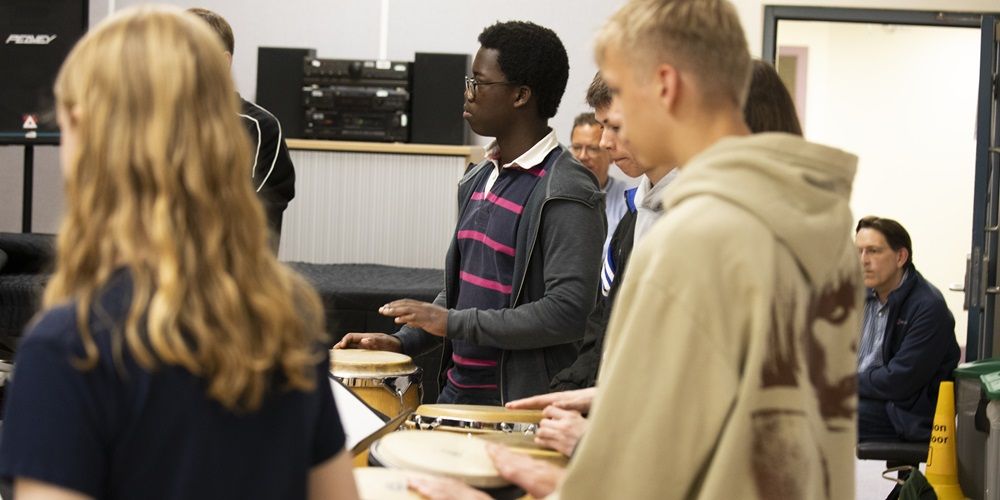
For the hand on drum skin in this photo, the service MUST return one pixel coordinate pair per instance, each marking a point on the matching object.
(560, 429)
(371, 341)
(578, 400)
(433, 319)
(439, 488)
(537, 477)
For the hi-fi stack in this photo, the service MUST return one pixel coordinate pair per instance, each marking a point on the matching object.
(356, 100)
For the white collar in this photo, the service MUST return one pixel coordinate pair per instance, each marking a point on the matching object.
(530, 158)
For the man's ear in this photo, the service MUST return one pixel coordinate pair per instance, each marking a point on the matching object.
(668, 85)
(523, 96)
(902, 255)
(229, 58)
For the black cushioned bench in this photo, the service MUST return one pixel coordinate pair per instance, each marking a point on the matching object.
(351, 294)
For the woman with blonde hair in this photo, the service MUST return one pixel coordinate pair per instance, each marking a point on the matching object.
(175, 357)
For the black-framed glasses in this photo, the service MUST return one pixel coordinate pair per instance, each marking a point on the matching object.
(471, 85)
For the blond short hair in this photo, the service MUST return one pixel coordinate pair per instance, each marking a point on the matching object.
(702, 37)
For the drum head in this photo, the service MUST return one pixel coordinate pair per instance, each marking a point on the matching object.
(480, 413)
(439, 453)
(362, 363)
(525, 444)
(375, 483)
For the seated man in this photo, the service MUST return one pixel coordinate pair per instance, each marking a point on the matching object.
(585, 144)
(907, 338)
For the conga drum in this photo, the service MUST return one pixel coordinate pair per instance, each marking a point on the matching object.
(387, 381)
(525, 444)
(474, 419)
(448, 454)
(376, 483)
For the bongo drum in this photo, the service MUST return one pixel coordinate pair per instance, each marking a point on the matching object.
(387, 381)
(474, 419)
(376, 483)
(525, 444)
(446, 454)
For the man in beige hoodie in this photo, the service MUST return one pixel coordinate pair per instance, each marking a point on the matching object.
(730, 358)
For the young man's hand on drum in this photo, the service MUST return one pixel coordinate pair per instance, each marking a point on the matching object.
(561, 429)
(578, 400)
(431, 318)
(371, 341)
(442, 488)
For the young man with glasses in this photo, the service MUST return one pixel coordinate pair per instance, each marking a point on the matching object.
(521, 274)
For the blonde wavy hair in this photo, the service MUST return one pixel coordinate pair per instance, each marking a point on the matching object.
(159, 184)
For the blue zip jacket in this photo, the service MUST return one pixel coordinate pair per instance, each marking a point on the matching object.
(919, 352)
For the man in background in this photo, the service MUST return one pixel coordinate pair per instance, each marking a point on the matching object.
(908, 341)
(585, 144)
(272, 173)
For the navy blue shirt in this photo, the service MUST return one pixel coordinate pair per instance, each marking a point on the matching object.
(122, 432)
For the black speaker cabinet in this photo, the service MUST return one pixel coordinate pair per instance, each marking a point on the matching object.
(437, 97)
(279, 85)
(35, 37)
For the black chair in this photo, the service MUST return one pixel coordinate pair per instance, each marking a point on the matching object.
(895, 454)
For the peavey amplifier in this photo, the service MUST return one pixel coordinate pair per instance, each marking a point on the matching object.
(35, 37)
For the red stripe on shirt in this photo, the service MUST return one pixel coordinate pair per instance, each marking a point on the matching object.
(485, 283)
(498, 201)
(486, 240)
(472, 362)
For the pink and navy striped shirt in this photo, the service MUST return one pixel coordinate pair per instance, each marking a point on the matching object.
(486, 236)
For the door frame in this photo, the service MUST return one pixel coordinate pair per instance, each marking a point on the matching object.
(981, 269)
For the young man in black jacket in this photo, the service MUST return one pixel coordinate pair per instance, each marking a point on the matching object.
(642, 204)
(272, 172)
(907, 341)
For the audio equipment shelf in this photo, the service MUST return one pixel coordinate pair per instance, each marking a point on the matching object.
(472, 154)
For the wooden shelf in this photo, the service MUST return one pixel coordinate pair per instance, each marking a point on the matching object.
(471, 153)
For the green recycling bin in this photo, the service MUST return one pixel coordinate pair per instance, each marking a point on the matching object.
(991, 384)
(973, 424)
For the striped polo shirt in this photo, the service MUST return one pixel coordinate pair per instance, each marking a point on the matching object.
(486, 241)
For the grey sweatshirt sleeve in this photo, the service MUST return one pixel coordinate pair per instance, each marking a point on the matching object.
(416, 341)
(571, 238)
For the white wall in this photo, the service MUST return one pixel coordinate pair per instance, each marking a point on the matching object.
(752, 11)
(904, 100)
(349, 28)
(343, 29)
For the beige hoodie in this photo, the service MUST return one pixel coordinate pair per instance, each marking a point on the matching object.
(729, 368)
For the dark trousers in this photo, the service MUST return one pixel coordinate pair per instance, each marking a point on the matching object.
(874, 423)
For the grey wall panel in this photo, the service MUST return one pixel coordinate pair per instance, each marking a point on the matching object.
(371, 208)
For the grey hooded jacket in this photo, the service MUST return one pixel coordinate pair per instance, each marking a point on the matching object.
(556, 272)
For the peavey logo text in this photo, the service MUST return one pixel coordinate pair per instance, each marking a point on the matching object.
(30, 39)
